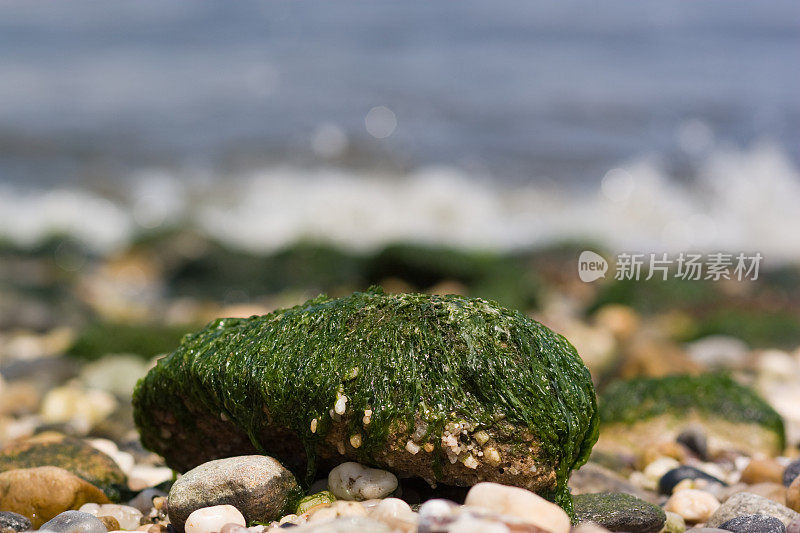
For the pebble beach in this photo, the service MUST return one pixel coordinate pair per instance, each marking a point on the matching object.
(71, 460)
(398, 267)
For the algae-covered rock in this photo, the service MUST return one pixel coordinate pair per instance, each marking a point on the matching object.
(617, 511)
(447, 388)
(71, 454)
(638, 413)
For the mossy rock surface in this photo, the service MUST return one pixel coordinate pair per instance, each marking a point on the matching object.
(450, 389)
(618, 511)
(71, 454)
(729, 412)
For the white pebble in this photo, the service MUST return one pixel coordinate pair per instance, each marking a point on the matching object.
(435, 509)
(656, 470)
(520, 503)
(127, 516)
(353, 481)
(211, 519)
(692, 505)
(395, 513)
(141, 477)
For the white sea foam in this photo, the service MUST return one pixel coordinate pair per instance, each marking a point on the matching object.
(740, 200)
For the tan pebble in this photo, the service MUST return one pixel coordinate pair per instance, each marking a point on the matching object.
(144, 527)
(762, 470)
(521, 503)
(492, 456)
(660, 466)
(21, 492)
(111, 523)
(663, 449)
(793, 495)
(160, 503)
(773, 491)
(692, 504)
(336, 509)
(684, 484)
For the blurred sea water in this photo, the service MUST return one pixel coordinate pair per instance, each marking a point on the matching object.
(652, 126)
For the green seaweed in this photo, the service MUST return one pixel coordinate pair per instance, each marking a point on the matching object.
(757, 327)
(716, 395)
(503, 278)
(147, 340)
(441, 358)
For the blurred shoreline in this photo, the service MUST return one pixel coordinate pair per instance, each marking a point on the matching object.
(732, 200)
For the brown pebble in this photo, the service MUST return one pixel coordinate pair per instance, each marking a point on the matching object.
(111, 523)
(157, 528)
(793, 495)
(773, 491)
(160, 503)
(762, 471)
(662, 449)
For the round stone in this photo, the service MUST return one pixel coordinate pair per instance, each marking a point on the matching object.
(111, 523)
(14, 521)
(259, 486)
(74, 522)
(71, 454)
(754, 523)
(126, 516)
(695, 439)
(746, 503)
(356, 482)
(212, 519)
(761, 471)
(520, 503)
(791, 472)
(144, 500)
(692, 504)
(619, 512)
(43, 493)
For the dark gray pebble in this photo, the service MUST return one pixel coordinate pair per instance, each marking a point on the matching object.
(791, 472)
(754, 523)
(676, 475)
(15, 521)
(695, 440)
